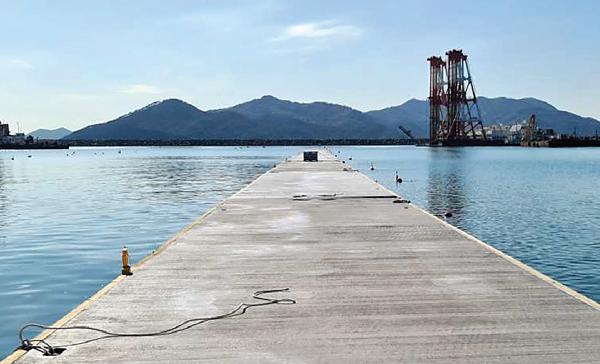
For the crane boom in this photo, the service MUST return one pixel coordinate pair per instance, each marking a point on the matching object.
(407, 132)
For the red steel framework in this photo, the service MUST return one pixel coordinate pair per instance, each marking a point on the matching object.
(437, 97)
(454, 115)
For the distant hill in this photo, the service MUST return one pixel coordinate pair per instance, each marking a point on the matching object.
(271, 118)
(327, 120)
(414, 115)
(49, 134)
(504, 110)
(168, 119)
(264, 118)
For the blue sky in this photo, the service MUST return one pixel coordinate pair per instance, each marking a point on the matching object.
(73, 63)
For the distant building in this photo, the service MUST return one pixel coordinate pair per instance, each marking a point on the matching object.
(17, 139)
(4, 130)
(513, 134)
(509, 134)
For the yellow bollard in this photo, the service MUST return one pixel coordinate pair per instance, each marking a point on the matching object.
(126, 270)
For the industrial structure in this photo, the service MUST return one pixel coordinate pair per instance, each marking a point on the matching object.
(530, 130)
(454, 115)
(408, 133)
(6, 138)
(4, 130)
(22, 141)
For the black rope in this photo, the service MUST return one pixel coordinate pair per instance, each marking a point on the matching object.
(52, 350)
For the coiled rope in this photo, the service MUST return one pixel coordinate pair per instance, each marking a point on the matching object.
(52, 350)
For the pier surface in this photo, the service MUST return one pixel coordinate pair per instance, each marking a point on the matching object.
(375, 281)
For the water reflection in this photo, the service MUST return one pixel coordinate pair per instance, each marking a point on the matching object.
(185, 178)
(446, 185)
(537, 205)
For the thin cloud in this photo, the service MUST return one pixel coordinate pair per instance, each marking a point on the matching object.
(15, 64)
(73, 96)
(319, 30)
(141, 89)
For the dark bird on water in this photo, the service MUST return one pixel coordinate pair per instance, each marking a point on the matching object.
(398, 179)
(372, 166)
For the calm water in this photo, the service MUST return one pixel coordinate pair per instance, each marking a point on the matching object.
(539, 205)
(64, 219)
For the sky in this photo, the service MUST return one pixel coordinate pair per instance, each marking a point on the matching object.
(75, 63)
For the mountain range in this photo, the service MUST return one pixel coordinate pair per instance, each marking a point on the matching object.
(271, 118)
(50, 134)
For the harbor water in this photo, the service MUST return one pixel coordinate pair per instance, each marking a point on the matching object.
(65, 215)
(539, 205)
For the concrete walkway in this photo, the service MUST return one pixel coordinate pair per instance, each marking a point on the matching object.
(375, 281)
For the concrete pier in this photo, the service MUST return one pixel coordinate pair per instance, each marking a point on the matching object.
(375, 281)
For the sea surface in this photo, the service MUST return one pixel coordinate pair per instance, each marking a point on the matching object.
(539, 205)
(65, 215)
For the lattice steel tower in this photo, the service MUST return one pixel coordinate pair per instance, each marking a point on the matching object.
(454, 115)
(437, 98)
